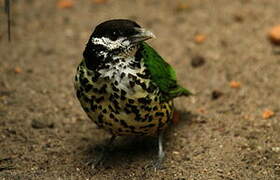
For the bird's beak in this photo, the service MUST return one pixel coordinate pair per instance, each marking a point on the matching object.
(142, 35)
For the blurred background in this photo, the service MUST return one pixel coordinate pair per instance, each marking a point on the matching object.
(227, 52)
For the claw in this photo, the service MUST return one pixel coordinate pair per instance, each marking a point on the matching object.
(101, 156)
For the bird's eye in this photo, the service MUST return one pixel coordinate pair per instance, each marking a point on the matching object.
(114, 36)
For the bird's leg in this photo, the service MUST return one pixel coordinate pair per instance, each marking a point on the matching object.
(100, 157)
(160, 148)
(157, 164)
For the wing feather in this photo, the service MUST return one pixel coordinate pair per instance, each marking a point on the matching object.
(162, 74)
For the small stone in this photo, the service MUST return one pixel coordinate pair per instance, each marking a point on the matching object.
(197, 61)
(41, 123)
(216, 94)
(176, 152)
(276, 149)
(238, 18)
(29, 71)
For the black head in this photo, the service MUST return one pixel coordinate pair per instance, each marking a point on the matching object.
(114, 37)
(114, 29)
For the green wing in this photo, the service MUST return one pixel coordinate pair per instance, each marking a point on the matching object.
(162, 74)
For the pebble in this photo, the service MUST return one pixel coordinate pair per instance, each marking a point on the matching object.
(42, 123)
(176, 152)
(238, 18)
(197, 61)
(276, 149)
(216, 94)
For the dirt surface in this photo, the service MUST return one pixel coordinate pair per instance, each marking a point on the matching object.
(44, 133)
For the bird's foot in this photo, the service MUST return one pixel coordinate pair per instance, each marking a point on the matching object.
(101, 153)
(157, 164)
(98, 160)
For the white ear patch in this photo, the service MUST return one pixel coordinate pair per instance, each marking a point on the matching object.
(109, 44)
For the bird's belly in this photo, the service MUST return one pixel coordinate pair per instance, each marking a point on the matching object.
(127, 121)
(132, 113)
(123, 102)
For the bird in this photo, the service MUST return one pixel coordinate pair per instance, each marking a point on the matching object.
(124, 85)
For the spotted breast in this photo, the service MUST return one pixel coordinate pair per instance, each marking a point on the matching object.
(121, 98)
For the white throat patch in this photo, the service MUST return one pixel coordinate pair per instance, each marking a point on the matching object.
(109, 44)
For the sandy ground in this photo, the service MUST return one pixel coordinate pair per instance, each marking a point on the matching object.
(44, 134)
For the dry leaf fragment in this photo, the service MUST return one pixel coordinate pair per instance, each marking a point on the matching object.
(274, 34)
(17, 70)
(235, 84)
(182, 6)
(99, 1)
(201, 110)
(63, 4)
(267, 114)
(176, 117)
(200, 38)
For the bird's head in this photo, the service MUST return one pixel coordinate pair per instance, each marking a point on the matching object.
(115, 37)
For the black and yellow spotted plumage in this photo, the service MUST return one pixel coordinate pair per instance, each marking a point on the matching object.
(123, 103)
(123, 85)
